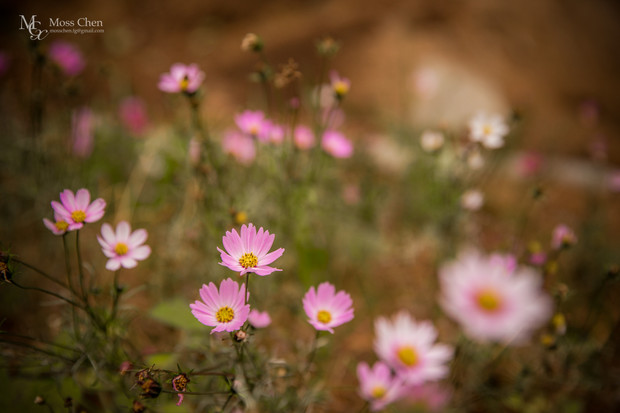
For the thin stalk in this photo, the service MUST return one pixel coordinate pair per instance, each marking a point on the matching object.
(68, 300)
(247, 288)
(76, 330)
(116, 295)
(40, 350)
(312, 353)
(37, 270)
(38, 340)
(80, 269)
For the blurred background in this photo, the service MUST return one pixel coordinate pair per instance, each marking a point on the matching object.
(552, 67)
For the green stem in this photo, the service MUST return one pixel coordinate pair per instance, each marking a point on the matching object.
(76, 330)
(80, 269)
(40, 350)
(116, 294)
(38, 340)
(312, 353)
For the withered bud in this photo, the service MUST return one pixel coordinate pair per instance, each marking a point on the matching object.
(179, 382)
(327, 47)
(240, 336)
(6, 275)
(251, 43)
(138, 407)
(142, 376)
(287, 74)
(151, 389)
(39, 400)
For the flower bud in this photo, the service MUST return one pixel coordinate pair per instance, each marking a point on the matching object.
(251, 43)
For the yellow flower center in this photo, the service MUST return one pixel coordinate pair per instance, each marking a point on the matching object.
(184, 83)
(378, 392)
(121, 248)
(408, 356)
(254, 129)
(248, 260)
(78, 216)
(340, 88)
(324, 316)
(61, 225)
(488, 300)
(487, 129)
(225, 315)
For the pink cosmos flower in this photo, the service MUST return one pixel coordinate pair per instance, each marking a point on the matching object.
(326, 308)
(336, 144)
(253, 123)
(563, 237)
(67, 57)
(249, 252)
(276, 134)
(339, 85)
(77, 209)
(83, 134)
(378, 386)
(59, 226)
(613, 180)
(508, 261)
(529, 164)
(239, 146)
(488, 130)
(303, 137)
(492, 303)
(224, 309)
(408, 347)
(132, 113)
(123, 248)
(259, 319)
(181, 78)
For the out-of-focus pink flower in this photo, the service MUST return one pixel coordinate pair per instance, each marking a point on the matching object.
(472, 199)
(409, 348)
(563, 237)
(77, 209)
(179, 384)
(431, 397)
(327, 309)
(507, 261)
(598, 148)
(491, 303)
(253, 123)
(425, 82)
(538, 258)
(332, 118)
(5, 61)
(59, 226)
(224, 309)
(240, 146)
(488, 130)
(123, 247)
(613, 180)
(589, 112)
(340, 85)
(132, 113)
(529, 164)
(182, 78)
(67, 56)
(351, 194)
(276, 134)
(303, 137)
(378, 386)
(431, 141)
(250, 251)
(83, 134)
(336, 144)
(259, 319)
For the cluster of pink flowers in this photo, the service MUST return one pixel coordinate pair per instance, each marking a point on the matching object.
(247, 252)
(409, 357)
(123, 247)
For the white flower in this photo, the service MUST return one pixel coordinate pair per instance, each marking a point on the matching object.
(489, 130)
